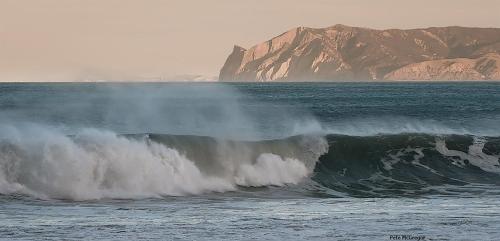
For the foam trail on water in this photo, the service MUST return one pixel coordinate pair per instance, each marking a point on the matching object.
(96, 164)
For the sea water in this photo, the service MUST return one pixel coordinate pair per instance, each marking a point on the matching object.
(264, 161)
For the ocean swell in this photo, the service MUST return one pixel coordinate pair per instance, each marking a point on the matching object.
(409, 164)
(46, 163)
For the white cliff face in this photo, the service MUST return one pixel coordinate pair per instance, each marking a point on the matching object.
(348, 53)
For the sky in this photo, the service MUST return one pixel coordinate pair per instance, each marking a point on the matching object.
(77, 40)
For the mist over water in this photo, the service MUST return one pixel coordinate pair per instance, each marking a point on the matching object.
(92, 142)
(280, 161)
(100, 141)
(239, 111)
(187, 109)
(400, 124)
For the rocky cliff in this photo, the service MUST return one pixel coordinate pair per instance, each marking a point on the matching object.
(350, 53)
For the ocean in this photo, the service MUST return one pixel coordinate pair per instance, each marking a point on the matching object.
(250, 161)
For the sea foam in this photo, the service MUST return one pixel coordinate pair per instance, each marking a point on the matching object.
(97, 164)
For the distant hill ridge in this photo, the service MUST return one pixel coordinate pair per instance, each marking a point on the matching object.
(351, 53)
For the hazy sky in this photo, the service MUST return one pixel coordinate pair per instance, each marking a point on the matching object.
(125, 39)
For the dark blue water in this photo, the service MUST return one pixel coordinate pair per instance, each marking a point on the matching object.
(273, 161)
(458, 103)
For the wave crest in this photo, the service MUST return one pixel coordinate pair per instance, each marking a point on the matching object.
(96, 164)
(408, 164)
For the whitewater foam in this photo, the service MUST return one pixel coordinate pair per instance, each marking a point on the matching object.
(285, 171)
(474, 156)
(97, 164)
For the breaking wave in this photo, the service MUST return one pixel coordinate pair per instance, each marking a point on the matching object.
(98, 164)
